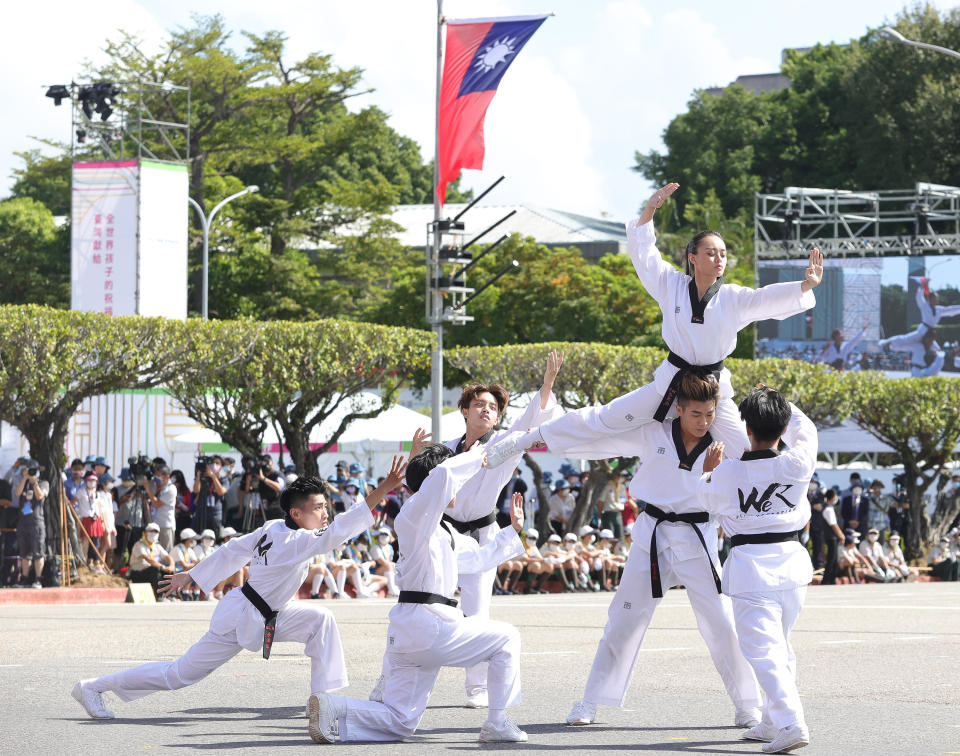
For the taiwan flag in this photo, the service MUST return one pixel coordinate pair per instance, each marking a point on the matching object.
(478, 54)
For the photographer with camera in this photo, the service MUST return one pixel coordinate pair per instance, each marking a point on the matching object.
(261, 490)
(30, 525)
(209, 490)
(163, 498)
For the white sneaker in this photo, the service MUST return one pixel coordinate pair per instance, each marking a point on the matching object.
(747, 717)
(788, 739)
(763, 731)
(91, 700)
(323, 719)
(477, 700)
(507, 447)
(37, 584)
(508, 732)
(377, 693)
(582, 713)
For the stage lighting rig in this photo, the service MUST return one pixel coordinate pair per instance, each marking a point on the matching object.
(59, 93)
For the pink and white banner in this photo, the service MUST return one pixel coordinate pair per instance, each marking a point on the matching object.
(103, 266)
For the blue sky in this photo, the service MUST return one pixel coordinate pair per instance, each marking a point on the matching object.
(598, 81)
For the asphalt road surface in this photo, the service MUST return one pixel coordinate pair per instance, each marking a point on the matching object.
(879, 674)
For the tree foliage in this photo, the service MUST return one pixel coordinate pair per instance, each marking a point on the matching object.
(868, 115)
(31, 255)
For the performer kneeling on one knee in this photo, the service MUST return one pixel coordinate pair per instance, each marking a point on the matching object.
(674, 543)
(761, 503)
(427, 631)
(261, 612)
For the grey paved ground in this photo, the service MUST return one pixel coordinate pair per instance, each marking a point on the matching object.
(879, 674)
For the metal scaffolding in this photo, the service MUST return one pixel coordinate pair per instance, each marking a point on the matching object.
(924, 220)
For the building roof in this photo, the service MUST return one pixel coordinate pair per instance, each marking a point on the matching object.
(554, 228)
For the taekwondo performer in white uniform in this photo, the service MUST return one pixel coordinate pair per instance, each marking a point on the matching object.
(262, 611)
(482, 407)
(926, 354)
(674, 543)
(761, 503)
(836, 352)
(427, 631)
(701, 318)
(931, 313)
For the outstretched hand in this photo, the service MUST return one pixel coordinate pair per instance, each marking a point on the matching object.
(554, 363)
(420, 439)
(814, 272)
(397, 469)
(516, 512)
(656, 201)
(713, 457)
(173, 584)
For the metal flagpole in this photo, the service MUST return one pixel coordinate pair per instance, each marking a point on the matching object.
(436, 372)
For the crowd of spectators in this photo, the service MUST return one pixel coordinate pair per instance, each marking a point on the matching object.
(859, 359)
(148, 522)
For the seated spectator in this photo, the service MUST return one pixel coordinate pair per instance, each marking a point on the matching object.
(848, 560)
(894, 556)
(943, 561)
(591, 563)
(236, 579)
(381, 553)
(535, 565)
(318, 575)
(184, 558)
(563, 562)
(206, 546)
(615, 561)
(148, 559)
(572, 546)
(872, 551)
(370, 583)
(561, 504)
(622, 548)
(31, 530)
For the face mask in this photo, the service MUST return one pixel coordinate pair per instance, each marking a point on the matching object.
(352, 490)
(108, 486)
(894, 542)
(215, 467)
(812, 488)
(151, 537)
(383, 539)
(77, 473)
(590, 539)
(872, 538)
(91, 485)
(208, 542)
(856, 491)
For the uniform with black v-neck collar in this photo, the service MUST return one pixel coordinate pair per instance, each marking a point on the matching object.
(698, 331)
(686, 554)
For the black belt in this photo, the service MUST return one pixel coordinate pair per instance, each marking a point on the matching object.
(670, 396)
(421, 597)
(747, 538)
(466, 527)
(269, 616)
(691, 518)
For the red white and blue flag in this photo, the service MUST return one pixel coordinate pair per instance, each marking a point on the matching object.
(478, 54)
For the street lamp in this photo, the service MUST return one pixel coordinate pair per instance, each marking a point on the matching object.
(892, 35)
(205, 223)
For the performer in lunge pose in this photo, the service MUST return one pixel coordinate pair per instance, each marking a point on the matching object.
(482, 407)
(701, 318)
(426, 630)
(926, 354)
(761, 503)
(674, 543)
(261, 612)
(836, 352)
(931, 313)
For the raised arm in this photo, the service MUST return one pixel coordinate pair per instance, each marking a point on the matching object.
(923, 304)
(780, 300)
(654, 272)
(801, 438)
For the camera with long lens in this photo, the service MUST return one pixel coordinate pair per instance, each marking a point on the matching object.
(255, 465)
(33, 472)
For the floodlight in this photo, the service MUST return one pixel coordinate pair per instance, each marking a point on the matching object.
(59, 93)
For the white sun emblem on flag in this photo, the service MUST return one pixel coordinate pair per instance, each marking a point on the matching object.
(495, 53)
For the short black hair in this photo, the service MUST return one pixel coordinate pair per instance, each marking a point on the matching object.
(297, 492)
(420, 466)
(831, 493)
(766, 413)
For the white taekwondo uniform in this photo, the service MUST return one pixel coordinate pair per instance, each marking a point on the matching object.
(761, 503)
(831, 354)
(423, 637)
(478, 499)
(667, 478)
(279, 557)
(918, 356)
(697, 333)
(930, 316)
